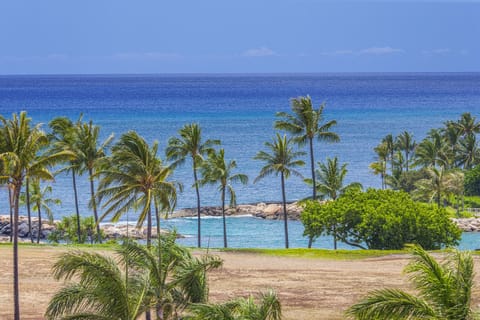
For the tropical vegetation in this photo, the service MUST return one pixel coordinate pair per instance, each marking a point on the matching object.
(444, 291)
(380, 219)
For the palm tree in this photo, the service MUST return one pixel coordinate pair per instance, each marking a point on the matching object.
(90, 154)
(268, 309)
(22, 144)
(445, 291)
(64, 136)
(40, 200)
(406, 143)
(380, 166)
(467, 125)
(389, 144)
(103, 291)
(434, 187)
(135, 178)
(176, 278)
(282, 160)
(190, 145)
(215, 170)
(429, 152)
(330, 183)
(468, 152)
(305, 124)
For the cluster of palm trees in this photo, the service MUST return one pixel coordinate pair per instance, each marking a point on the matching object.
(439, 159)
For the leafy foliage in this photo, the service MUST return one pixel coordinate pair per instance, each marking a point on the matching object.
(67, 230)
(444, 291)
(380, 219)
(472, 182)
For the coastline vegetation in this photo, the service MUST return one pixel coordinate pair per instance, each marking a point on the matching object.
(440, 170)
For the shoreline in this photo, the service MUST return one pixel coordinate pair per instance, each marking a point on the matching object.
(114, 231)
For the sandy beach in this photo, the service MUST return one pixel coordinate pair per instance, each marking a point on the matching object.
(309, 288)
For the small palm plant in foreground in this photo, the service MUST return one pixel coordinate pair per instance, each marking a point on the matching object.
(269, 308)
(165, 277)
(444, 291)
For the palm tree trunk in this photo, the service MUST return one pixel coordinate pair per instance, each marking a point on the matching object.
(149, 244)
(312, 167)
(16, 292)
(285, 218)
(149, 227)
(79, 232)
(39, 222)
(10, 202)
(224, 222)
(94, 205)
(198, 201)
(29, 214)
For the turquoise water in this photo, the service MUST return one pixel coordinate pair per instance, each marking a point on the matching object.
(240, 110)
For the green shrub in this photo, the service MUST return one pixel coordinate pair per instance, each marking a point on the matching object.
(380, 219)
(66, 230)
(472, 182)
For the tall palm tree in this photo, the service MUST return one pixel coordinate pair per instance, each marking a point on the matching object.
(215, 170)
(406, 143)
(176, 278)
(331, 184)
(64, 136)
(390, 147)
(445, 291)
(134, 179)
(41, 201)
(380, 166)
(91, 153)
(22, 144)
(269, 308)
(102, 290)
(190, 145)
(281, 160)
(306, 124)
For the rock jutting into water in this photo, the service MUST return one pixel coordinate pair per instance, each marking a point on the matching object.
(272, 211)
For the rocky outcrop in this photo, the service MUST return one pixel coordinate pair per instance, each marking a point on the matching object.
(111, 231)
(273, 211)
(468, 224)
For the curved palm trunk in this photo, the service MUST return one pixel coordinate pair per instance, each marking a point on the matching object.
(39, 222)
(224, 220)
(312, 167)
(16, 292)
(94, 205)
(29, 214)
(195, 178)
(74, 180)
(285, 218)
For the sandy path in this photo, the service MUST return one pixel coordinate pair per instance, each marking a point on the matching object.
(308, 288)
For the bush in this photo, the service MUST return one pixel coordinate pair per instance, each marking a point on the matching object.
(66, 230)
(472, 182)
(380, 219)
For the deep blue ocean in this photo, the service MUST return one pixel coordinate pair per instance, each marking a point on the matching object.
(240, 111)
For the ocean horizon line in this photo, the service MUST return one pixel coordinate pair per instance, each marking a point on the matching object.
(240, 74)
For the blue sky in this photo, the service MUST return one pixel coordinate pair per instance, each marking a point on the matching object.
(223, 36)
